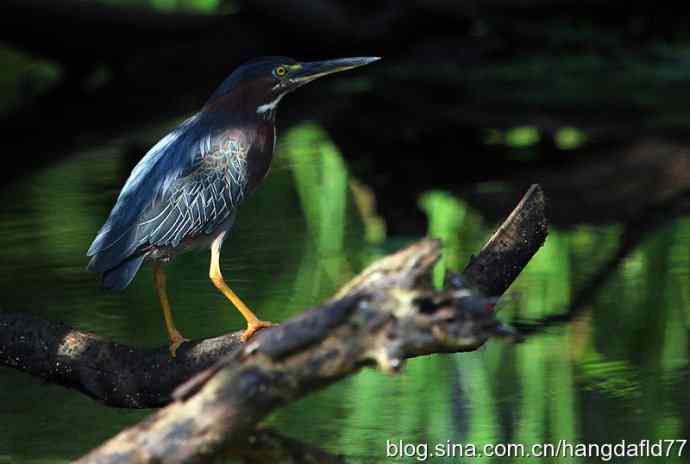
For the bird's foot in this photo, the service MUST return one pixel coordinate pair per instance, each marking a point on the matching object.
(176, 339)
(253, 326)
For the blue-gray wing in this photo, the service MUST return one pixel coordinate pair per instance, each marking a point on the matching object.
(185, 186)
(197, 203)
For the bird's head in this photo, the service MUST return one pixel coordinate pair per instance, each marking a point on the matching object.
(262, 82)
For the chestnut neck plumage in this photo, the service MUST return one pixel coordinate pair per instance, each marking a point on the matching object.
(247, 114)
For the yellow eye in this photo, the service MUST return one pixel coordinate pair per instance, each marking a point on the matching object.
(280, 71)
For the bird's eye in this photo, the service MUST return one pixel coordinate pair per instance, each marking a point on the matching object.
(280, 71)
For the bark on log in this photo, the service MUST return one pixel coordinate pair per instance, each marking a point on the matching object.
(385, 315)
(115, 374)
(512, 246)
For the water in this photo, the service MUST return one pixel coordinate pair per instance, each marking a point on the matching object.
(618, 372)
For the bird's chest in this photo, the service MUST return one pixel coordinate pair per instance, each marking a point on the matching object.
(244, 158)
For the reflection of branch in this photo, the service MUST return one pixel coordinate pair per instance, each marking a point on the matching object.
(267, 445)
(386, 314)
(634, 233)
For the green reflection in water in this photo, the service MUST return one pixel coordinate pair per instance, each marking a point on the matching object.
(197, 6)
(24, 77)
(446, 215)
(618, 372)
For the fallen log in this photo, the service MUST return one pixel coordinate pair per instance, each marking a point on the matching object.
(385, 315)
(124, 376)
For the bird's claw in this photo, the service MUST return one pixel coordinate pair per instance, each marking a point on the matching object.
(252, 327)
(175, 341)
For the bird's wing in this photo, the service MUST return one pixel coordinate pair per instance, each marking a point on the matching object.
(196, 203)
(184, 186)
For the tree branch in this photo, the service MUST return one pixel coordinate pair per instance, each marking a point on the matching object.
(512, 246)
(116, 374)
(385, 315)
(123, 376)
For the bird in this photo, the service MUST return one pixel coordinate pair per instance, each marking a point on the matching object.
(185, 192)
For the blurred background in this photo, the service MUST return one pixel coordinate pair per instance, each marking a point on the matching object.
(472, 103)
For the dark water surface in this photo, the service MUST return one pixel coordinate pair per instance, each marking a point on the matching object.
(619, 372)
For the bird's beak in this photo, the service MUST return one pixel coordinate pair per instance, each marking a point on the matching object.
(307, 72)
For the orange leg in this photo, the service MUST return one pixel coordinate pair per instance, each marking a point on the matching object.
(253, 322)
(176, 339)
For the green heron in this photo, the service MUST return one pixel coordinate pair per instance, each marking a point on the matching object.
(184, 193)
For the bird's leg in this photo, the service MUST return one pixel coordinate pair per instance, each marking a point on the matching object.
(176, 339)
(253, 322)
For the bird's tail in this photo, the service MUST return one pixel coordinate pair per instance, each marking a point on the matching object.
(118, 278)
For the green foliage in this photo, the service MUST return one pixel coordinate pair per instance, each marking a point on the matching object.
(446, 215)
(521, 137)
(198, 5)
(570, 138)
(321, 181)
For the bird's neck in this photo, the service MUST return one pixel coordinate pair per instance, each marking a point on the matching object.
(261, 153)
(257, 136)
(237, 115)
(267, 111)
(248, 101)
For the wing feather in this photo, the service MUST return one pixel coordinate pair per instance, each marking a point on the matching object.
(182, 188)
